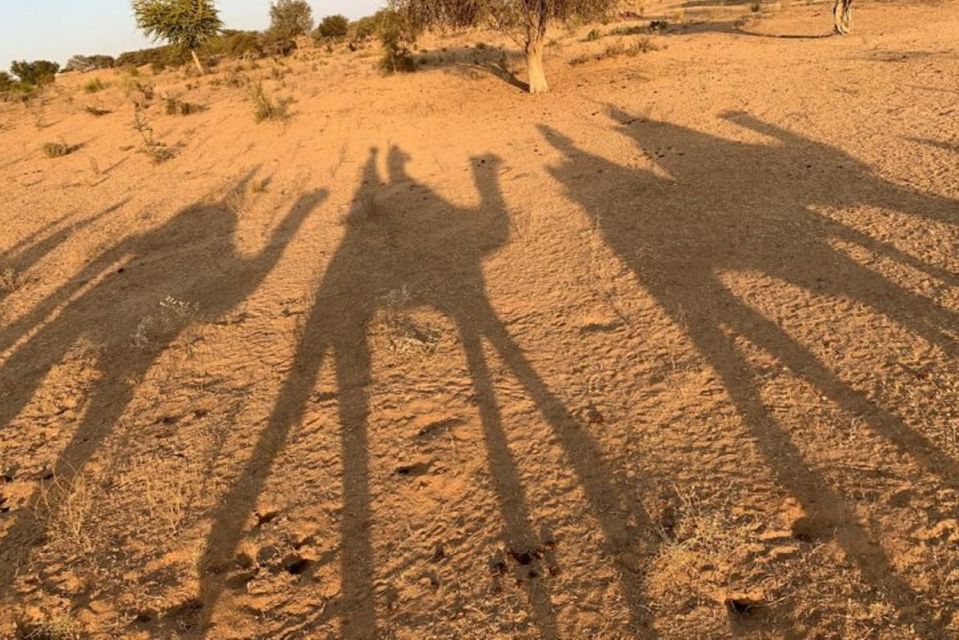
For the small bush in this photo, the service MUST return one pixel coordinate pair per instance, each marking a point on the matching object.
(95, 86)
(333, 27)
(755, 7)
(593, 36)
(632, 30)
(266, 109)
(176, 107)
(58, 149)
(642, 45)
(158, 151)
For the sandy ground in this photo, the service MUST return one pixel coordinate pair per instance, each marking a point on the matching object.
(668, 353)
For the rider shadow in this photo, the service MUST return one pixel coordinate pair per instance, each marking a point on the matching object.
(434, 251)
(678, 235)
(190, 259)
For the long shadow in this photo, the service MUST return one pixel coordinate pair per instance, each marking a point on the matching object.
(32, 249)
(433, 250)
(739, 206)
(191, 259)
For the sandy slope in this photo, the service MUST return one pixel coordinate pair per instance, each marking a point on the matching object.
(668, 353)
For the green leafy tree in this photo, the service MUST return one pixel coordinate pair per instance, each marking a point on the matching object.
(185, 24)
(38, 72)
(333, 27)
(525, 20)
(290, 19)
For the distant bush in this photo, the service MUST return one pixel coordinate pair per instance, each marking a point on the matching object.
(7, 83)
(96, 112)
(36, 73)
(89, 63)
(163, 56)
(333, 27)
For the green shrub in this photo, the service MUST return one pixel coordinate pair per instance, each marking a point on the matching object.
(333, 27)
(36, 73)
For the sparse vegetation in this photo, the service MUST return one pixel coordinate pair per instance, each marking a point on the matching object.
(617, 50)
(265, 108)
(95, 86)
(176, 107)
(157, 151)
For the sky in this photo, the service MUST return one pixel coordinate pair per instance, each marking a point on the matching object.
(57, 29)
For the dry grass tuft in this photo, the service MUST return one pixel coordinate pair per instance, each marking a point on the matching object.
(264, 108)
(58, 149)
(65, 505)
(172, 316)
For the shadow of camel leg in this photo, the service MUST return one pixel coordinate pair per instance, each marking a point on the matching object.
(826, 511)
(352, 374)
(767, 335)
(506, 480)
(620, 514)
(237, 505)
(109, 400)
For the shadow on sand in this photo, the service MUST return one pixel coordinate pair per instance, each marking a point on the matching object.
(434, 250)
(678, 235)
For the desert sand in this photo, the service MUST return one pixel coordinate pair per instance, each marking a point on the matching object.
(670, 352)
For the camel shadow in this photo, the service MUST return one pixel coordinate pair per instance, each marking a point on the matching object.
(190, 266)
(729, 206)
(434, 251)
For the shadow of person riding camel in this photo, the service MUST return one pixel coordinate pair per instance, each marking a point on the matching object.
(730, 206)
(403, 236)
(190, 265)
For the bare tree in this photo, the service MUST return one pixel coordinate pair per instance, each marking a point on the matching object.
(524, 20)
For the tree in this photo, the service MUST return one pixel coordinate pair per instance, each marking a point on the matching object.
(333, 27)
(185, 24)
(289, 19)
(89, 63)
(527, 19)
(35, 73)
(6, 83)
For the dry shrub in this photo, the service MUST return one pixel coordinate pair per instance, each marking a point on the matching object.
(157, 150)
(65, 506)
(264, 108)
(171, 317)
(176, 107)
(58, 149)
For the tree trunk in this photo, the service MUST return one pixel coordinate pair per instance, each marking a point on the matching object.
(842, 16)
(534, 64)
(196, 61)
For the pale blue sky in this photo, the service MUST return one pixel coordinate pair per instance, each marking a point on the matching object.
(57, 29)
